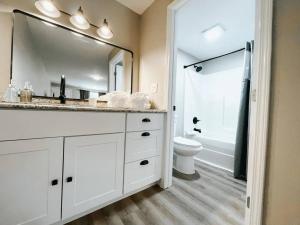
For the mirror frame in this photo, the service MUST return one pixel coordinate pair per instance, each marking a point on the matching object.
(71, 30)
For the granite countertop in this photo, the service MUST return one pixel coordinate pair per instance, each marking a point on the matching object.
(68, 107)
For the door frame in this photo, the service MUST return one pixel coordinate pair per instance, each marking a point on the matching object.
(112, 63)
(260, 97)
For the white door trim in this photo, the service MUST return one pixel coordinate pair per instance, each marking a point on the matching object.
(119, 57)
(259, 104)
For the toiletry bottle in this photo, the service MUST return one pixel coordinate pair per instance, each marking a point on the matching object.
(11, 93)
(26, 93)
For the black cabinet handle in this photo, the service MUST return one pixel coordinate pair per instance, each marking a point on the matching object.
(69, 179)
(54, 182)
(145, 134)
(146, 120)
(144, 162)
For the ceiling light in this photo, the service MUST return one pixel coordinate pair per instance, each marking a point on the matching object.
(99, 42)
(104, 31)
(213, 33)
(96, 77)
(79, 21)
(48, 8)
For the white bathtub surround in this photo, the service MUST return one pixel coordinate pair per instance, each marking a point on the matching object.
(213, 96)
(185, 150)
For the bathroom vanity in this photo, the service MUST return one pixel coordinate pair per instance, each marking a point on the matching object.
(60, 163)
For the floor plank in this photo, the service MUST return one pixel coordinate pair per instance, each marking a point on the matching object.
(216, 198)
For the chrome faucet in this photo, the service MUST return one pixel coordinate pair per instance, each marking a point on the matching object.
(62, 96)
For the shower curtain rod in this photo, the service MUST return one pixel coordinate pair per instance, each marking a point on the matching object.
(187, 66)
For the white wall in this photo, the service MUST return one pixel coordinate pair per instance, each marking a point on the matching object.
(5, 41)
(183, 59)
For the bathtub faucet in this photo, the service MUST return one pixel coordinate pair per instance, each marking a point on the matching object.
(198, 130)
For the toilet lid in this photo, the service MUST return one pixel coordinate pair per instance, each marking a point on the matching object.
(186, 142)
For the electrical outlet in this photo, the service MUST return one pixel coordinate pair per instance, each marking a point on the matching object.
(154, 88)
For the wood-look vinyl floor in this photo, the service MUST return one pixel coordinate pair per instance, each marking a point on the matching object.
(214, 199)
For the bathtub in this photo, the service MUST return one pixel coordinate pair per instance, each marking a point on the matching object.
(218, 153)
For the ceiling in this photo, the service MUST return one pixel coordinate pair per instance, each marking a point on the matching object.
(236, 16)
(138, 6)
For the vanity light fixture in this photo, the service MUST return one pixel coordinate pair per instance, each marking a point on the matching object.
(104, 31)
(48, 8)
(79, 21)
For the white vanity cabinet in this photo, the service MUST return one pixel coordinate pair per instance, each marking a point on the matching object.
(56, 166)
(93, 172)
(143, 150)
(31, 181)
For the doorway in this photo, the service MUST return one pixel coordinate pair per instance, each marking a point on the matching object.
(259, 104)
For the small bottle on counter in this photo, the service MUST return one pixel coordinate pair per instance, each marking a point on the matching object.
(11, 93)
(26, 93)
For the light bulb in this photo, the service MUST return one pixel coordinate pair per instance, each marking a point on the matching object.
(104, 31)
(79, 21)
(48, 8)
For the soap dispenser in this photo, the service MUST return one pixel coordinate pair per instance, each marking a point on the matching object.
(11, 93)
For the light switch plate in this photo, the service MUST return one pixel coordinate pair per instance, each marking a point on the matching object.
(154, 88)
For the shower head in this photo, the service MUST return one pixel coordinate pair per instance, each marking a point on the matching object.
(198, 68)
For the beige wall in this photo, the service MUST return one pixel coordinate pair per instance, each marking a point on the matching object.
(282, 199)
(124, 22)
(5, 43)
(153, 68)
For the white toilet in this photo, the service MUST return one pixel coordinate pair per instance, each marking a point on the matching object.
(185, 150)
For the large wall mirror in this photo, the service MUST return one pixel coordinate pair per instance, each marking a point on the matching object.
(42, 52)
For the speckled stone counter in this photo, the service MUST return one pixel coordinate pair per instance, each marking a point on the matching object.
(67, 107)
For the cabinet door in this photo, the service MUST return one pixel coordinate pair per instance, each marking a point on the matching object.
(93, 172)
(30, 181)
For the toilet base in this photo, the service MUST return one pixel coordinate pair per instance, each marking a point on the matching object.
(184, 164)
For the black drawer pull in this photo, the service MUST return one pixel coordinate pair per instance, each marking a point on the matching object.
(144, 162)
(54, 182)
(145, 134)
(69, 179)
(146, 120)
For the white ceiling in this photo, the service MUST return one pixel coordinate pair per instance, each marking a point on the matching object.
(236, 16)
(138, 6)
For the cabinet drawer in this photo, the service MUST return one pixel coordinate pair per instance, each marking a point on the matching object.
(144, 121)
(145, 144)
(141, 173)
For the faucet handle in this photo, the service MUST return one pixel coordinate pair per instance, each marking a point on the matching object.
(195, 120)
(198, 130)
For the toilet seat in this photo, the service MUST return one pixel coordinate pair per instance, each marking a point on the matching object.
(184, 142)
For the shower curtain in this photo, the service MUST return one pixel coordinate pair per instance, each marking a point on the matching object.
(241, 144)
